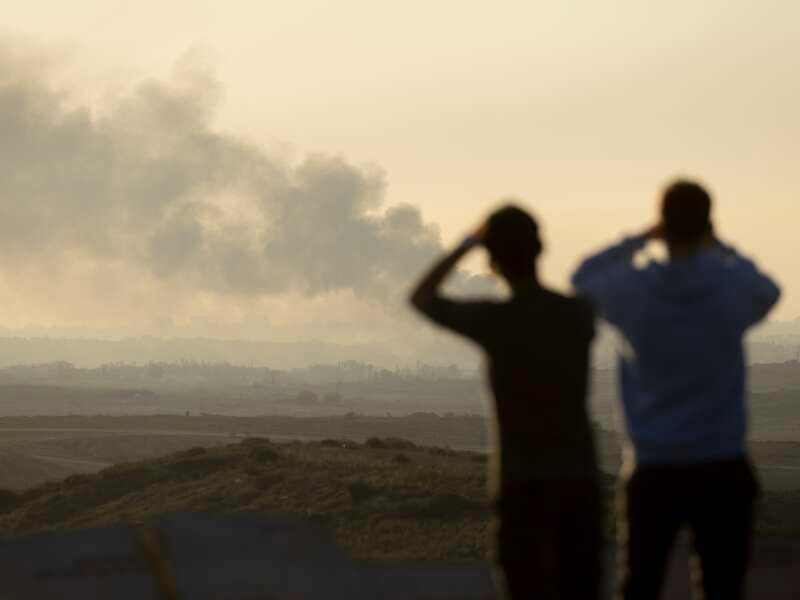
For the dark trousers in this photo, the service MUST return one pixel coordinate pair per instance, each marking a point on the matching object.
(549, 542)
(714, 500)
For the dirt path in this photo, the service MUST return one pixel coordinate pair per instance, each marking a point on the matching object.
(78, 462)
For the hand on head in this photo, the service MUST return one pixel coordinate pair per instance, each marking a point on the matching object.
(475, 239)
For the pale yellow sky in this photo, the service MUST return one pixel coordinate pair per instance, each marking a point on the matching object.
(582, 109)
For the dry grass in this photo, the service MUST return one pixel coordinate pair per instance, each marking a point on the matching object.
(429, 504)
(385, 499)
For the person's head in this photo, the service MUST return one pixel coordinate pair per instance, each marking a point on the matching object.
(686, 213)
(512, 240)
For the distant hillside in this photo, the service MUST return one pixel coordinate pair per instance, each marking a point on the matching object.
(384, 499)
(774, 342)
(94, 352)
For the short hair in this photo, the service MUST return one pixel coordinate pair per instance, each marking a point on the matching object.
(512, 239)
(685, 211)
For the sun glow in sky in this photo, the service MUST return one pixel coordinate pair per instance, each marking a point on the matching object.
(581, 109)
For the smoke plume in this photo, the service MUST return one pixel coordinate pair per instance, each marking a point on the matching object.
(146, 184)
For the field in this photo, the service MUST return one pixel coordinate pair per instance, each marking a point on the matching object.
(774, 400)
(383, 499)
(75, 456)
(34, 450)
(386, 498)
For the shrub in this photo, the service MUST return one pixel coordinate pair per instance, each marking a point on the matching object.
(389, 443)
(247, 496)
(361, 491)
(436, 451)
(8, 501)
(200, 466)
(195, 451)
(331, 443)
(76, 479)
(256, 441)
(264, 455)
(267, 481)
(446, 506)
(401, 459)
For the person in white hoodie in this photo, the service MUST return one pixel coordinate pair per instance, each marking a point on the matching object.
(682, 378)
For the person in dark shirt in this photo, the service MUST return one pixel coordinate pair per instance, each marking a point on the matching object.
(544, 479)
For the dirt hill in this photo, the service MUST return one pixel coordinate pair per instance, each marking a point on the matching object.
(384, 499)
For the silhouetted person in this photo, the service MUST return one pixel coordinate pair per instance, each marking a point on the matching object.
(544, 480)
(682, 377)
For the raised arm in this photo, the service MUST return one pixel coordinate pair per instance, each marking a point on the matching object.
(755, 293)
(602, 277)
(468, 318)
(426, 292)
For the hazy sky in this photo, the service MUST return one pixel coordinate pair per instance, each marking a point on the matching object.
(582, 109)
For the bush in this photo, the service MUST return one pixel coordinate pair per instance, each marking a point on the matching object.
(437, 451)
(265, 482)
(361, 491)
(247, 496)
(331, 443)
(401, 459)
(76, 479)
(195, 451)
(390, 443)
(442, 506)
(200, 466)
(264, 455)
(256, 441)
(8, 501)
(423, 415)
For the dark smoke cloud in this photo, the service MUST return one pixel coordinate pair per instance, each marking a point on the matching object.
(146, 182)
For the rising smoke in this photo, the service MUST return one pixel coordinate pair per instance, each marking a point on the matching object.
(147, 184)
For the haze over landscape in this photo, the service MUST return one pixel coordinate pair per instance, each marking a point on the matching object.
(281, 172)
(211, 216)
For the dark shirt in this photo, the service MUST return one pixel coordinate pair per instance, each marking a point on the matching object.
(537, 349)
